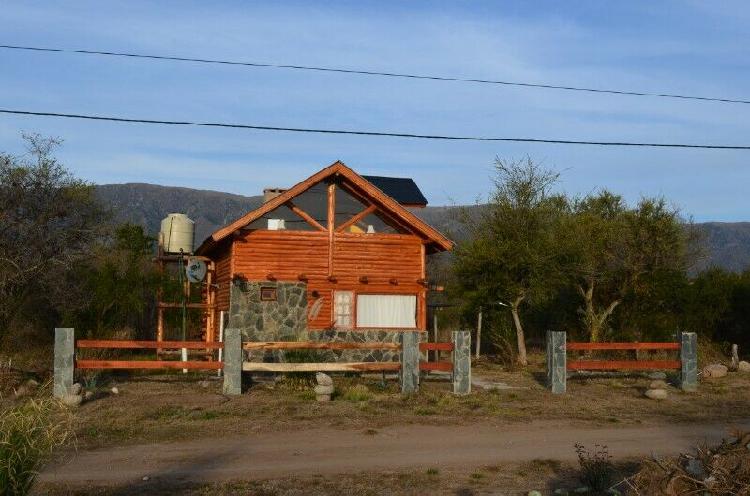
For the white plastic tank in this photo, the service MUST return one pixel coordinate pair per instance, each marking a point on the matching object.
(177, 234)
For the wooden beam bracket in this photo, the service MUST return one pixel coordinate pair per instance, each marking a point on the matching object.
(305, 216)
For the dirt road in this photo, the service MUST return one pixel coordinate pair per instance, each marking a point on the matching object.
(329, 451)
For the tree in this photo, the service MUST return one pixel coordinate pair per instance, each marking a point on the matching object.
(618, 251)
(119, 279)
(48, 222)
(510, 256)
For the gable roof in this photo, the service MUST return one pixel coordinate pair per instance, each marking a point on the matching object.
(402, 189)
(385, 202)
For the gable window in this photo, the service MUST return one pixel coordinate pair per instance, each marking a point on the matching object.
(397, 311)
(343, 309)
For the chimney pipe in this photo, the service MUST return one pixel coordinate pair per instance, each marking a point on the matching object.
(271, 193)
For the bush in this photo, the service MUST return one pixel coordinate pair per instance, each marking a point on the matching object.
(357, 393)
(597, 470)
(28, 435)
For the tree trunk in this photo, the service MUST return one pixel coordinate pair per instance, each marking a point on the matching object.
(520, 338)
(593, 319)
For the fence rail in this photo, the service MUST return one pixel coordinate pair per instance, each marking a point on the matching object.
(233, 364)
(558, 365)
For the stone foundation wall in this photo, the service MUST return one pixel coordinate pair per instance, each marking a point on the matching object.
(285, 319)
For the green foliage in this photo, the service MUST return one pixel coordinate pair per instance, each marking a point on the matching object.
(28, 435)
(120, 278)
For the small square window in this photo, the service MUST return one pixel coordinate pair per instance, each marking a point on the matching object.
(267, 294)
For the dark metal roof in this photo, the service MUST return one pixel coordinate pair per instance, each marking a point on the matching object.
(402, 189)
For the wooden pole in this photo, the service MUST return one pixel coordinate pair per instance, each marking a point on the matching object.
(435, 333)
(221, 338)
(331, 224)
(479, 331)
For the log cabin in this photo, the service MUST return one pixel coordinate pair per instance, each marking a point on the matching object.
(337, 256)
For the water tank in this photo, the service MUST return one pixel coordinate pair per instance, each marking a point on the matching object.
(177, 233)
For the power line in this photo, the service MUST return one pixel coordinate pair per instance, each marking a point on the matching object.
(377, 73)
(387, 134)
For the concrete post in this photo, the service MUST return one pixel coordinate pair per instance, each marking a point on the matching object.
(461, 362)
(232, 361)
(64, 361)
(689, 361)
(556, 362)
(409, 376)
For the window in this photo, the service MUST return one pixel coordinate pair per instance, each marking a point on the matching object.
(398, 311)
(343, 309)
(267, 294)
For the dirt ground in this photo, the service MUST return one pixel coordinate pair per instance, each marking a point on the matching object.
(182, 434)
(489, 451)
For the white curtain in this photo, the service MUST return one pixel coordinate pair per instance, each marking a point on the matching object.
(387, 311)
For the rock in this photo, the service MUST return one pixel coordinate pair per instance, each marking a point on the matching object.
(114, 390)
(658, 385)
(88, 395)
(657, 394)
(324, 390)
(695, 468)
(32, 384)
(657, 376)
(72, 400)
(534, 493)
(743, 366)
(145, 478)
(323, 379)
(715, 370)
(323, 397)
(204, 384)
(22, 391)
(76, 388)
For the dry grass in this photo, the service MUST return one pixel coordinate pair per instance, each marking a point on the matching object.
(171, 407)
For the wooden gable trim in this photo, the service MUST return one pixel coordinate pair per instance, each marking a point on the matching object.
(390, 206)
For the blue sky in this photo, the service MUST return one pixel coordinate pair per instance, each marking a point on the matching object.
(700, 48)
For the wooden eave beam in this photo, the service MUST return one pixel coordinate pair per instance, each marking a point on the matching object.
(362, 198)
(307, 217)
(364, 213)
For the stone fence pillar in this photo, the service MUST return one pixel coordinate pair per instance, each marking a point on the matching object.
(409, 375)
(232, 361)
(461, 362)
(64, 361)
(556, 362)
(689, 361)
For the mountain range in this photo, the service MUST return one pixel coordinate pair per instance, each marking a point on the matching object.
(727, 244)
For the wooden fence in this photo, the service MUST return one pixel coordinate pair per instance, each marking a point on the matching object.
(67, 358)
(558, 364)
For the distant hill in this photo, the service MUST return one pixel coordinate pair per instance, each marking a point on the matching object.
(727, 245)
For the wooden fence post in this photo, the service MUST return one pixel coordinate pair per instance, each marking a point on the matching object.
(232, 361)
(64, 361)
(409, 375)
(556, 361)
(461, 362)
(689, 361)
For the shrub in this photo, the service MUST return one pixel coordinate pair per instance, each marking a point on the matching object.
(28, 435)
(597, 470)
(357, 393)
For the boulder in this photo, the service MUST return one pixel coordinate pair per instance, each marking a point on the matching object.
(114, 390)
(658, 385)
(320, 389)
(657, 394)
(695, 468)
(323, 397)
(534, 493)
(715, 370)
(76, 389)
(72, 400)
(88, 395)
(323, 379)
(32, 384)
(743, 366)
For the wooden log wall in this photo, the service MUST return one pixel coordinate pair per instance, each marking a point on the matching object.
(389, 263)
